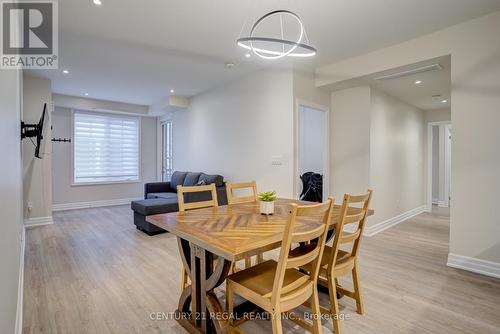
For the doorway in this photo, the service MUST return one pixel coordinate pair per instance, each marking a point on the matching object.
(312, 182)
(439, 165)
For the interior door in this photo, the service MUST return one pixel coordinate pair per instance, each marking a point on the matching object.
(313, 153)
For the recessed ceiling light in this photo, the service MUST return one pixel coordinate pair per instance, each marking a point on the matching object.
(65, 71)
(171, 91)
(444, 101)
(97, 2)
(86, 94)
(418, 82)
(248, 55)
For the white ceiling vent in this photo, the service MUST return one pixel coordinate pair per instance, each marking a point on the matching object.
(427, 68)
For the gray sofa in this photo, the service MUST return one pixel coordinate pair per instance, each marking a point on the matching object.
(161, 197)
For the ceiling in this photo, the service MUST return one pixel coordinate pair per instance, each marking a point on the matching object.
(136, 51)
(435, 86)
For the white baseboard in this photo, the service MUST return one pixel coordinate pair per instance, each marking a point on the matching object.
(370, 231)
(93, 204)
(442, 204)
(20, 288)
(474, 265)
(38, 221)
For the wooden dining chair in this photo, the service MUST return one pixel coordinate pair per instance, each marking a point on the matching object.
(183, 206)
(232, 199)
(278, 287)
(336, 262)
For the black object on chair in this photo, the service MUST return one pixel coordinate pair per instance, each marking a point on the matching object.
(312, 187)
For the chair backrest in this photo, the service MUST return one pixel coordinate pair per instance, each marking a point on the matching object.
(231, 199)
(318, 216)
(183, 206)
(355, 219)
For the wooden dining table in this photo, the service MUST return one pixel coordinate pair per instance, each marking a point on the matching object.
(211, 239)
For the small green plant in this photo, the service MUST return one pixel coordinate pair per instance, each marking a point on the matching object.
(267, 196)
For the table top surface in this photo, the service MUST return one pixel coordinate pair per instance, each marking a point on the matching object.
(236, 231)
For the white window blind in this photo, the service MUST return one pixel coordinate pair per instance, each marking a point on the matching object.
(106, 148)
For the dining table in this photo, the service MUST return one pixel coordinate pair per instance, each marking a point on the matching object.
(211, 239)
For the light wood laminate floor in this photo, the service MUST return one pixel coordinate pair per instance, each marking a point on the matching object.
(93, 272)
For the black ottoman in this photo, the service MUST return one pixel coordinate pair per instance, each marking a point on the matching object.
(148, 207)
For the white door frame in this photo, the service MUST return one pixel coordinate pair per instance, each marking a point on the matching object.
(447, 163)
(159, 145)
(159, 153)
(326, 167)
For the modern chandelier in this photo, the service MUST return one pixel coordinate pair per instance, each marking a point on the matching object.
(271, 47)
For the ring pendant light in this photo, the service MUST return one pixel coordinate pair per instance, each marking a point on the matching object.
(296, 48)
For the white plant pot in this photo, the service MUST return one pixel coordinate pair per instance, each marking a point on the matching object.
(266, 208)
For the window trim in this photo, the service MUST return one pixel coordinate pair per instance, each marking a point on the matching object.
(82, 184)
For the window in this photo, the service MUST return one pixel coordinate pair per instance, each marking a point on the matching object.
(106, 148)
(167, 151)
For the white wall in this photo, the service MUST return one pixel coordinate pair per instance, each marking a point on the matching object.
(474, 47)
(304, 88)
(437, 115)
(11, 185)
(350, 141)
(64, 192)
(236, 130)
(37, 172)
(75, 102)
(378, 142)
(396, 157)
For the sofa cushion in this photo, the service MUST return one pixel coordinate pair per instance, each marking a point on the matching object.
(201, 183)
(161, 195)
(177, 180)
(209, 179)
(147, 207)
(191, 179)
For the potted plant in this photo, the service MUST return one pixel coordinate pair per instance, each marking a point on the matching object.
(266, 200)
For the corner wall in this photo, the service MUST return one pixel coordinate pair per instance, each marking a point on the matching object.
(11, 203)
(350, 141)
(397, 166)
(378, 142)
(37, 172)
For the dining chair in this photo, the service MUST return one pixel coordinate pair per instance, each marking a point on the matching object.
(183, 206)
(278, 287)
(232, 199)
(336, 262)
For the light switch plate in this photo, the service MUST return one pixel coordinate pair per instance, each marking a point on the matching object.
(276, 160)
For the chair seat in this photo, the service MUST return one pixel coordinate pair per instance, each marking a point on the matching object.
(260, 279)
(344, 262)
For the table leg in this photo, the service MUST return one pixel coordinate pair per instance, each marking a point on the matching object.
(205, 313)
